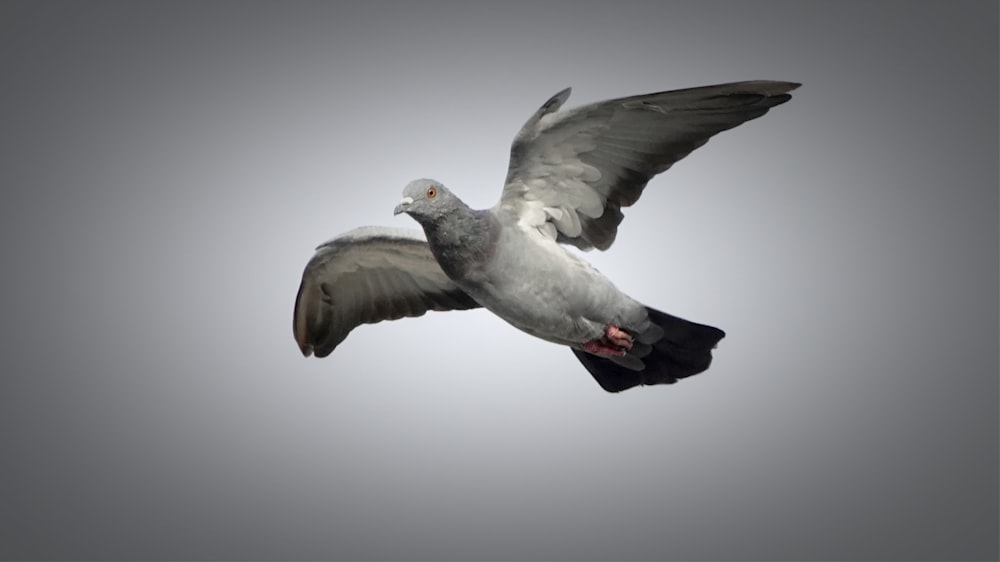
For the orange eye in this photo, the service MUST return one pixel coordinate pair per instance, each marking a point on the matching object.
(432, 192)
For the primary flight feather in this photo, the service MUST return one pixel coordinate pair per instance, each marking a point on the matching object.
(570, 174)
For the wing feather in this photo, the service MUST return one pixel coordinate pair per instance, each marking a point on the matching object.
(581, 166)
(365, 276)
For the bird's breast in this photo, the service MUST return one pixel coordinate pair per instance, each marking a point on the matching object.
(546, 291)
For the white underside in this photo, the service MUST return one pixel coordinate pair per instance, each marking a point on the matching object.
(559, 296)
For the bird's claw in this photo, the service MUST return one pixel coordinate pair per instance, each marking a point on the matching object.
(618, 337)
(615, 343)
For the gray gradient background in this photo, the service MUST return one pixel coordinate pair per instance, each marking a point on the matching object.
(167, 169)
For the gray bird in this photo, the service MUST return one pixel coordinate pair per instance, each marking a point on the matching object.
(570, 174)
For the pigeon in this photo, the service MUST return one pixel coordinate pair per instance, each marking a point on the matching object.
(570, 174)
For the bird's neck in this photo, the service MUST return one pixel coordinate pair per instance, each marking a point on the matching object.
(462, 241)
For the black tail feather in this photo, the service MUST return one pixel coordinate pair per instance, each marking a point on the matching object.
(685, 349)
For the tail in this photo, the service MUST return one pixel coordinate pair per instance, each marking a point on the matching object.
(684, 349)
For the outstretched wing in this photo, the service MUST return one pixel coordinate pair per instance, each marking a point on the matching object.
(365, 276)
(571, 172)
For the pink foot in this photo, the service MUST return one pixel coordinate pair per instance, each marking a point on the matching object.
(615, 343)
(618, 336)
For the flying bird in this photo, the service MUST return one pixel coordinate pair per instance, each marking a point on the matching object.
(570, 174)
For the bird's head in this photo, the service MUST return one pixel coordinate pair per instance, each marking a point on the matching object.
(425, 200)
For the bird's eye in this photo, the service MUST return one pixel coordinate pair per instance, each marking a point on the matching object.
(432, 192)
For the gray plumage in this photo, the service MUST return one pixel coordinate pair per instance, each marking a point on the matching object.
(570, 174)
(365, 276)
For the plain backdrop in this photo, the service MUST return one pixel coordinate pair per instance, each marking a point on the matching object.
(168, 167)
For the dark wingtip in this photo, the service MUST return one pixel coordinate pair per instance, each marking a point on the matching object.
(304, 326)
(299, 328)
(555, 102)
(770, 87)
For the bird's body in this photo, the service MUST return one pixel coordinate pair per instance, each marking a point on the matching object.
(565, 300)
(570, 173)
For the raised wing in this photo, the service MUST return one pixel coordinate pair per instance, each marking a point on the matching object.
(365, 276)
(571, 172)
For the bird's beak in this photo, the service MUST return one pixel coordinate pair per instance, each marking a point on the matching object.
(403, 205)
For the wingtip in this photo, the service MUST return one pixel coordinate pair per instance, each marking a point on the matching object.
(556, 101)
(301, 320)
(302, 342)
(775, 87)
